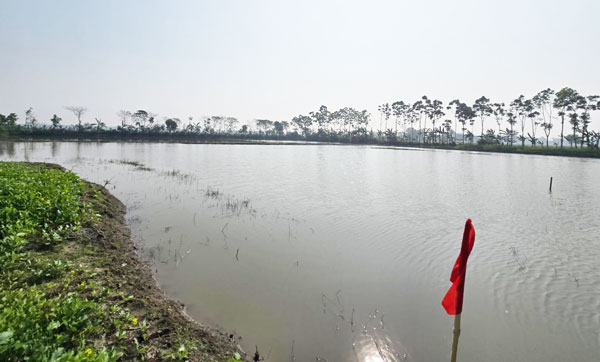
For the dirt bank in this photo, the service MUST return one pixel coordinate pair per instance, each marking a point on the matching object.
(105, 246)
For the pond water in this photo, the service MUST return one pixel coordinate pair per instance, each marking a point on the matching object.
(343, 253)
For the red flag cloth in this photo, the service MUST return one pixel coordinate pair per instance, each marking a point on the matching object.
(453, 301)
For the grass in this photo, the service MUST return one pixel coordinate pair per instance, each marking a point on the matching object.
(62, 298)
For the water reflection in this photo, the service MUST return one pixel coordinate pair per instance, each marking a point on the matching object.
(377, 347)
(7, 148)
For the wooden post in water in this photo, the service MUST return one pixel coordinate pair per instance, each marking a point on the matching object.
(456, 334)
(550, 183)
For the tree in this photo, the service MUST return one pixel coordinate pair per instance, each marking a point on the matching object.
(344, 118)
(141, 119)
(362, 119)
(454, 105)
(123, 117)
(564, 101)
(218, 122)
(489, 138)
(322, 118)
(469, 136)
(304, 123)
(55, 121)
(547, 127)
(587, 104)
(412, 116)
(434, 112)
(30, 119)
(399, 110)
(208, 127)
(483, 109)
(447, 125)
(171, 125)
(264, 125)
(532, 115)
(512, 120)
(419, 107)
(387, 113)
(464, 114)
(574, 120)
(543, 102)
(9, 121)
(384, 110)
(78, 112)
(522, 108)
(594, 139)
(280, 127)
(99, 124)
(230, 123)
(498, 111)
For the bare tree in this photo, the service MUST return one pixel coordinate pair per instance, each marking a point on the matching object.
(99, 124)
(123, 117)
(78, 112)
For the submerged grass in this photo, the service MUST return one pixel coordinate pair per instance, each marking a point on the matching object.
(70, 288)
(138, 166)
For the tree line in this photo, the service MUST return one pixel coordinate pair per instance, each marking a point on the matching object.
(517, 121)
(425, 121)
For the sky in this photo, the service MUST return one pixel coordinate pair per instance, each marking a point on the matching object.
(277, 59)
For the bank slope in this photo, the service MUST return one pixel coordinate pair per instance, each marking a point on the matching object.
(72, 287)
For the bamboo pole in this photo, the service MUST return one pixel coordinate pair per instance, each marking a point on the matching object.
(456, 334)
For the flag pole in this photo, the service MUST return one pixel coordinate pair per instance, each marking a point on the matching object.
(456, 334)
(453, 300)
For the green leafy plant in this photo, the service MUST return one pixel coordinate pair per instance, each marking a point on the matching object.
(236, 358)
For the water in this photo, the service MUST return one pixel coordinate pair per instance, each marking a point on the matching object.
(343, 253)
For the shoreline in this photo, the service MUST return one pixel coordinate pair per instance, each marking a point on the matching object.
(140, 322)
(592, 153)
(220, 344)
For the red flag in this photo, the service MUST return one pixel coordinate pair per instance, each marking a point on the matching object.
(453, 300)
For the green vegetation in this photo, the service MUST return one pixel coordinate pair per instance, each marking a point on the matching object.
(46, 312)
(423, 123)
(62, 298)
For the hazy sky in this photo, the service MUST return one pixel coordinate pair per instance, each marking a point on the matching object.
(276, 59)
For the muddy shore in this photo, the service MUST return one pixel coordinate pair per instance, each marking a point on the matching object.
(105, 245)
